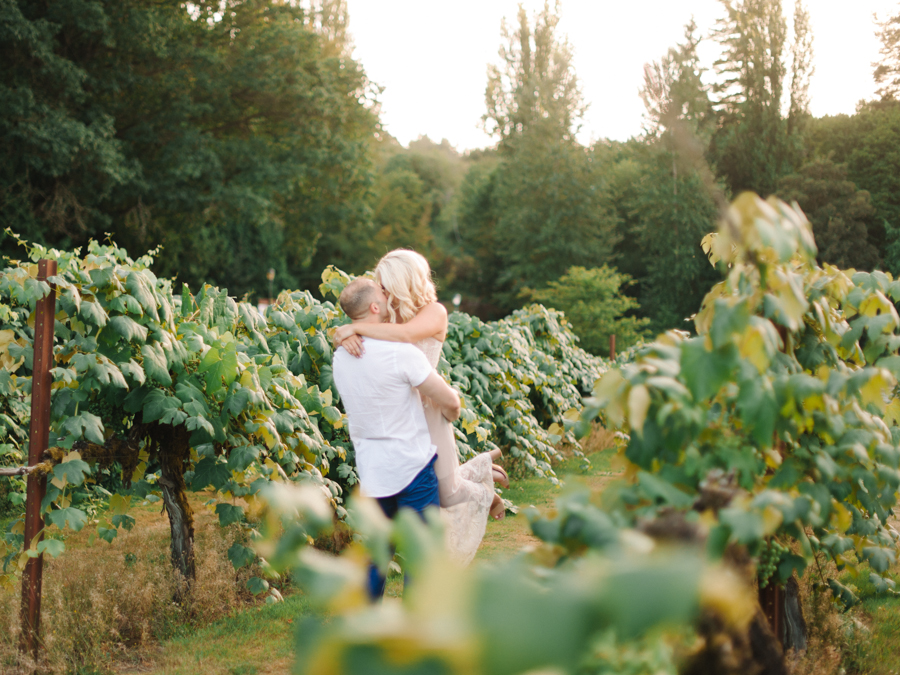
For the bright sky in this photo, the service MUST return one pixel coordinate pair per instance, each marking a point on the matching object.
(431, 57)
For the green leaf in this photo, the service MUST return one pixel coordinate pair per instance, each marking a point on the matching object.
(842, 593)
(93, 313)
(746, 526)
(229, 514)
(52, 547)
(243, 456)
(155, 365)
(219, 369)
(332, 414)
(879, 558)
(194, 423)
(789, 564)
(123, 520)
(210, 471)
(132, 369)
(128, 328)
(326, 381)
(727, 321)
(758, 408)
(240, 555)
(85, 425)
(658, 488)
(159, 405)
(704, 372)
(256, 585)
(142, 289)
(72, 471)
(892, 363)
(74, 518)
(134, 401)
(107, 534)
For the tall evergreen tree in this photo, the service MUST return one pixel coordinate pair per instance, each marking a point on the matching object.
(674, 93)
(755, 144)
(887, 70)
(535, 86)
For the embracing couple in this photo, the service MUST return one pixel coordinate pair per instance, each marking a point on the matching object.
(400, 411)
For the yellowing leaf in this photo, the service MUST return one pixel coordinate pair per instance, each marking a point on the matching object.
(7, 337)
(841, 516)
(876, 304)
(753, 348)
(771, 518)
(892, 413)
(874, 390)
(638, 404)
(607, 391)
(119, 504)
(773, 458)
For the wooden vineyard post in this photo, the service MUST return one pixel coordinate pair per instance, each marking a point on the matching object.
(38, 439)
(612, 347)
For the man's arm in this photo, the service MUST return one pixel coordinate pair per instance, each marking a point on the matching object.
(443, 396)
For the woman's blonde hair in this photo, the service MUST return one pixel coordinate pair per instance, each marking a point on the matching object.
(406, 278)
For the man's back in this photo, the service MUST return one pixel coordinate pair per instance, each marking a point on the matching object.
(385, 416)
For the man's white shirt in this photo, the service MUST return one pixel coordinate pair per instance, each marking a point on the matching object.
(384, 412)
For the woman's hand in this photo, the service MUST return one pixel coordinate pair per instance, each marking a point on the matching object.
(354, 345)
(341, 333)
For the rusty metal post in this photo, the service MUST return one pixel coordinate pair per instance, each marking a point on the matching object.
(612, 347)
(38, 438)
(771, 599)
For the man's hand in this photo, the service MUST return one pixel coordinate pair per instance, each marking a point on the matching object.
(442, 395)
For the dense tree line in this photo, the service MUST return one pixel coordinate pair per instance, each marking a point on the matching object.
(242, 136)
(234, 134)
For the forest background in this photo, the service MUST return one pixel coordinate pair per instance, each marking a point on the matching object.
(243, 137)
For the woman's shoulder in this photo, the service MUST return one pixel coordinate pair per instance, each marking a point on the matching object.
(435, 308)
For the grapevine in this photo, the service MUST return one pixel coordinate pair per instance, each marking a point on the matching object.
(198, 391)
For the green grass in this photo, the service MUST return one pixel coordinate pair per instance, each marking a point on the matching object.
(506, 537)
(253, 641)
(259, 640)
(876, 650)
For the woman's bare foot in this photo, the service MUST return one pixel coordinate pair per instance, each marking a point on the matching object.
(498, 510)
(500, 476)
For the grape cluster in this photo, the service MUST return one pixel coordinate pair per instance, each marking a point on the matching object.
(113, 418)
(769, 558)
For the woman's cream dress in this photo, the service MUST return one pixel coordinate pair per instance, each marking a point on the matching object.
(466, 490)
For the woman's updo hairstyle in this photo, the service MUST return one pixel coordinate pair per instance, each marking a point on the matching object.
(406, 278)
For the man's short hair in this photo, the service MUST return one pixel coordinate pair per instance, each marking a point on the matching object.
(357, 296)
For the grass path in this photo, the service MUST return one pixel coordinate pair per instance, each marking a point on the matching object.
(259, 640)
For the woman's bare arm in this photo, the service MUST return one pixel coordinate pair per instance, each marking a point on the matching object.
(431, 321)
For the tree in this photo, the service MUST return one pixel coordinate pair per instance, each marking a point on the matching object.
(662, 216)
(236, 135)
(866, 144)
(595, 306)
(887, 70)
(755, 144)
(674, 94)
(540, 211)
(841, 215)
(802, 69)
(60, 158)
(535, 86)
(401, 212)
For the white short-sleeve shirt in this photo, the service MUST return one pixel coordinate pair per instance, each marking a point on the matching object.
(385, 416)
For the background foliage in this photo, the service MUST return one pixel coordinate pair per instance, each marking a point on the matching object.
(160, 393)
